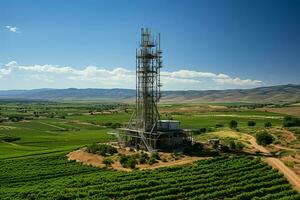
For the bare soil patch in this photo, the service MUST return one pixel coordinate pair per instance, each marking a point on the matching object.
(194, 109)
(295, 111)
(86, 158)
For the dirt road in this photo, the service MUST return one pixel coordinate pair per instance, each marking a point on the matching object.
(278, 164)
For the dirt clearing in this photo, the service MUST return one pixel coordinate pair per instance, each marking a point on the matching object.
(97, 161)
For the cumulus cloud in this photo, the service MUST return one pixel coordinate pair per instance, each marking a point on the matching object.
(37, 76)
(237, 81)
(13, 29)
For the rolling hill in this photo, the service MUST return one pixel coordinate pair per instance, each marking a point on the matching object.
(280, 93)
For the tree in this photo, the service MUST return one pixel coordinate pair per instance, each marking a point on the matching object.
(289, 121)
(264, 138)
(233, 124)
(268, 124)
(251, 123)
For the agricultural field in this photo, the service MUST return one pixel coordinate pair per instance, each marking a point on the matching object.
(53, 177)
(35, 138)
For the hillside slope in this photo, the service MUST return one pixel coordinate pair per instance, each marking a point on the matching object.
(281, 93)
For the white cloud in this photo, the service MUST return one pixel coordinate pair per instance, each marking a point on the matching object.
(193, 74)
(39, 76)
(237, 81)
(13, 29)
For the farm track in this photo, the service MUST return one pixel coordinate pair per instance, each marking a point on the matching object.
(278, 164)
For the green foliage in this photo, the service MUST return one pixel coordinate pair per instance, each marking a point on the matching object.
(108, 161)
(233, 124)
(219, 125)
(155, 156)
(113, 125)
(268, 124)
(264, 138)
(239, 145)
(152, 160)
(251, 123)
(102, 149)
(199, 131)
(9, 138)
(232, 145)
(128, 161)
(143, 158)
(176, 155)
(15, 118)
(289, 121)
(53, 177)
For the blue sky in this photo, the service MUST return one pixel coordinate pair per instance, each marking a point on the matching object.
(210, 44)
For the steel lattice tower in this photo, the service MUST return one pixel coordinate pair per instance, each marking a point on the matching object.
(148, 65)
(145, 130)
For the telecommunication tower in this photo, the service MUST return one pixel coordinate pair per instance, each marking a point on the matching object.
(145, 129)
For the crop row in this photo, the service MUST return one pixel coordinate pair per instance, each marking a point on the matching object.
(237, 177)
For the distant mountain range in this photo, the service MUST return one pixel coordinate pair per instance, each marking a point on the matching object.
(280, 93)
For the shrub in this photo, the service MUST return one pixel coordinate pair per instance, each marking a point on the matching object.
(232, 145)
(101, 149)
(251, 123)
(152, 160)
(176, 155)
(15, 118)
(233, 124)
(289, 121)
(143, 158)
(108, 162)
(199, 131)
(128, 161)
(9, 138)
(239, 145)
(155, 156)
(264, 138)
(219, 125)
(268, 124)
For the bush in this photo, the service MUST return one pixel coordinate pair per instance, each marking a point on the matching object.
(15, 118)
(251, 123)
(264, 138)
(9, 138)
(128, 161)
(232, 145)
(152, 160)
(108, 162)
(239, 145)
(101, 149)
(219, 125)
(233, 124)
(155, 156)
(289, 121)
(143, 158)
(268, 124)
(176, 155)
(199, 131)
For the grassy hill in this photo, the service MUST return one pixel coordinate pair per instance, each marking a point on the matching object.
(280, 93)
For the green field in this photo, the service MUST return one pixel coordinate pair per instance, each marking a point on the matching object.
(53, 177)
(34, 166)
